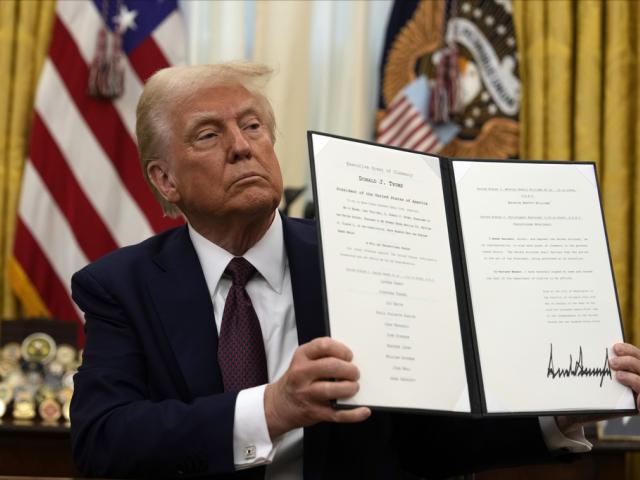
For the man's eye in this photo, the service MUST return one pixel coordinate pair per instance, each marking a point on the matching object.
(205, 135)
(254, 126)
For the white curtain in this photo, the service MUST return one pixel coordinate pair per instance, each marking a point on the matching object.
(218, 31)
(282, 40)
(326, 55)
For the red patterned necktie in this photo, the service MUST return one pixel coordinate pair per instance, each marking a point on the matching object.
(241, 355)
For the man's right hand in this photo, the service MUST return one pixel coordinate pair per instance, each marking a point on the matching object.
(320, 371)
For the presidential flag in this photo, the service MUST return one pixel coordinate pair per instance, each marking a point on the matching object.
(83, 193)
(449, 79)
(405, 122)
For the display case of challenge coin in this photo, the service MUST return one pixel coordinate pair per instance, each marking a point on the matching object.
(38, 359)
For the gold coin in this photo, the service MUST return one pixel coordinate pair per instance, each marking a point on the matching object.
(39, 347)
(49, 410)
(3, 408)
(24, 409)
(64, 394)
(66, 354)
(11, 352)
(15, 379)
(6, 367)
(46, 391)
(22, 394)
(56, 368)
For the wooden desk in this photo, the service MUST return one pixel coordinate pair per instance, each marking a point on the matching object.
(36, 450)
(605, 462)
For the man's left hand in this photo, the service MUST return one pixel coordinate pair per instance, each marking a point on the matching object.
(626, 365)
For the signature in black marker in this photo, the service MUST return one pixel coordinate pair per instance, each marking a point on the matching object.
(578, 369)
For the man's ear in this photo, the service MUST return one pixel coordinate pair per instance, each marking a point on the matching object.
(159, 175)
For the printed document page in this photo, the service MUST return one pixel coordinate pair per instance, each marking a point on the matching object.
(542, 289)
(388, 273)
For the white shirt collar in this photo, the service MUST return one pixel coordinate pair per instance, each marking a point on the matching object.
(267, 256)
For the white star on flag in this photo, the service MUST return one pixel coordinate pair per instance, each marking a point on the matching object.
(126, 19)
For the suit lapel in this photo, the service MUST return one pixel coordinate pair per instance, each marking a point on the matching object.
(183, 304)
(181, 299)
(302, 251)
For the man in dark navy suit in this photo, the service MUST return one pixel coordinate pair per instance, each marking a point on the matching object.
(157, 394)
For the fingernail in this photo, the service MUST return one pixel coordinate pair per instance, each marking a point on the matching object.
(621, 375)
(613, 362)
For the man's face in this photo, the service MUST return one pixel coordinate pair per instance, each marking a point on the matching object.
(220, 157)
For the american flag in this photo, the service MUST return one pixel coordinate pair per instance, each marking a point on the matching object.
(83, 193)
(406, 123)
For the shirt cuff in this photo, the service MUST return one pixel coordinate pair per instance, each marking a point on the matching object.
(251, 443)
(572, 440)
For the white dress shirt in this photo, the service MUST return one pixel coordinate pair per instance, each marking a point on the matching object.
(272, 298)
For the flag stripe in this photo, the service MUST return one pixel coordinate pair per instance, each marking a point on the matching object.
(82, 22)
(396, 128)
(429, 145)
(393, 115)
(410, 129)
(31, 257)
(404, 126)
(126, 103)
(93, 170)
(165, 36)
(65, 54)
(105, 123)
(147, 59)
(42, 217)
(399, 130)
(91, 233)
(420, 137)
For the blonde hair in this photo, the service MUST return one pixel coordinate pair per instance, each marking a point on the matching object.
(173, 85)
